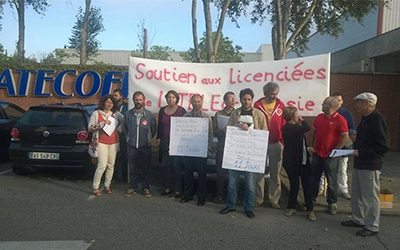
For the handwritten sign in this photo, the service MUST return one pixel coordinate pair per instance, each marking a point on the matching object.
(245, 150)
(189, 136)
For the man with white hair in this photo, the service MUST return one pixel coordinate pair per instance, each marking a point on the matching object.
(370, 146)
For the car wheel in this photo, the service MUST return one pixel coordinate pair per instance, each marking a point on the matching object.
(21, 170)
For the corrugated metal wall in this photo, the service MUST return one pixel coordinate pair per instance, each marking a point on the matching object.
(391, 16)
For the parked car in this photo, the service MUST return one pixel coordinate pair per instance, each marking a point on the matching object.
(9, 115)
(51, 136)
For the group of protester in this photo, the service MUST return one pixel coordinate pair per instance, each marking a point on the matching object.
(287, 147)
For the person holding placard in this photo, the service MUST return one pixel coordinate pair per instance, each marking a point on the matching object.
(140, 127)
(197, 164)
(272, 107)
(172, 163)
(104, 124)
(245, 117)
(296, 160)
(219, 125)
(330, 132)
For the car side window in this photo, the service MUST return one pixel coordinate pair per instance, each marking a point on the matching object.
(11, 112)
(1, 113)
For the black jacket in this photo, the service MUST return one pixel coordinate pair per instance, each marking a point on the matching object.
(372, 141)
(293, 136)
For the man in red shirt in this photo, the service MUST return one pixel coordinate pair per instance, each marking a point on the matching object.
(330, 132)
(272, 107)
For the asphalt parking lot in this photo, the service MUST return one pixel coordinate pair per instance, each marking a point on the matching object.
(55, 210)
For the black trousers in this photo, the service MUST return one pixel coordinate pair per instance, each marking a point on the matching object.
(221, 173)
(121, 162)
(304, 174)
(191, 165)
(139, 164)
(174, 172)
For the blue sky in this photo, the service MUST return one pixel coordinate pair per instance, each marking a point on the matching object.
(169, 21)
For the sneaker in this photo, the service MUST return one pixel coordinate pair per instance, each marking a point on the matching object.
(320, 192)
(275, 205)
(146, 192)
(346, 196)
(177, 195)
(257, 204)
(130, 192)
(311, 216)
(219, 199)
(166, 192)
(290, 212)
(351, 223)
(333, 209)
(365, 233)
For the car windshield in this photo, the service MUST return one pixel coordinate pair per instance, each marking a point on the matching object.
(53, 118)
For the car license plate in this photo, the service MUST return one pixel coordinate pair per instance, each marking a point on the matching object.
(44, 156)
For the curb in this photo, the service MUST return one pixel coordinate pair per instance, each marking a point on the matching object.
(322, 206)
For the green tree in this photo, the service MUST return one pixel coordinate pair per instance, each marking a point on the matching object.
(39, 6)
(3, 55)
(94, 27)
(212, 40)
(227, 52)
(292, 20)
(55, 57)
(156, 52)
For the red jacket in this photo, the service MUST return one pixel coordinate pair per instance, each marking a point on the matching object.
(276, 124)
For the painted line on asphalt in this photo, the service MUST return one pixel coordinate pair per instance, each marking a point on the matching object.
(47, 245)
(5, 172)
(91, 198)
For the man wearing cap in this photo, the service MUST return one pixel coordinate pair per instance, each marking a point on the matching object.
(342, 170)
(331, 132)
(370, 146)
(272, 108)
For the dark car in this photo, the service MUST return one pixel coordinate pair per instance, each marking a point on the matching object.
(9, 115)
(51, 136)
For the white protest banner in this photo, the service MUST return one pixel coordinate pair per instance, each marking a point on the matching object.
(304, 82)
(189, 136)
(245, 150)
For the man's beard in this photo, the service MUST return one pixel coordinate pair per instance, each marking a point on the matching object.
(138, 106)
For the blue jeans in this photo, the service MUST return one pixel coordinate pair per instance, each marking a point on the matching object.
(330, 167)
(250, 187)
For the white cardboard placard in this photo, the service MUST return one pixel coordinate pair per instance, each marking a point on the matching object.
(245, 150)
(189, 136)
